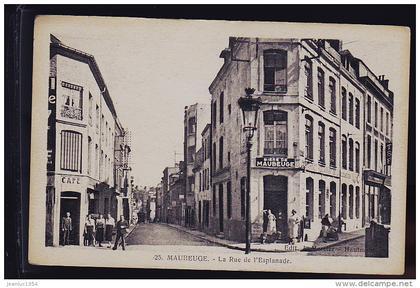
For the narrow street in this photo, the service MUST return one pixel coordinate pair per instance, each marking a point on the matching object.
(353, 248)
(161, 234)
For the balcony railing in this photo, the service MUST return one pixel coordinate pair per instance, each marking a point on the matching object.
(276, 151)
(275, 88)
(71, 112)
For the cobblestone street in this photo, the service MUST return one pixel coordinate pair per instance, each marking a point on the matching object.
(160, 234)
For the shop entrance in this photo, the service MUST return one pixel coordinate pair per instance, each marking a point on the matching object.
(275, 199)
(70, 202)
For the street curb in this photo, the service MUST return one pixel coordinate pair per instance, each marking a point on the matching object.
(333, 244)
(263, 250)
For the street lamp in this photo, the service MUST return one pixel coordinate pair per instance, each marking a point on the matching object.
(249, 106)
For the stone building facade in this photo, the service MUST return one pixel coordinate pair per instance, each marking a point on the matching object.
(81, 136)
(308, 147)
(196, 117)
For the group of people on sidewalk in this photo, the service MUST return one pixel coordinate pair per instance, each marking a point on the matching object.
(295, 227)
(97, 230)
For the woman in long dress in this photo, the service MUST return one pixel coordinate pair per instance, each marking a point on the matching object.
(100, 229)
(271, 225)
(293, 227)
(109, 227)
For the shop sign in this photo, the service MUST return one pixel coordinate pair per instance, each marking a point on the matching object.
(70, 180)
(275, 162)
(388, 153)
(372, 179)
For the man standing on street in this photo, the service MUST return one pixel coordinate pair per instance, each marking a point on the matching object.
(122, 226)
(66, 227)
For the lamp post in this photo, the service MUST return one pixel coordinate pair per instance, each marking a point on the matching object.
(250, 107)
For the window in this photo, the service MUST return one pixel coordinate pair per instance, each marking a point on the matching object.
(97, 119)
(321, 139)
(199, 212)
(351, 114)
(321, 88)
(221, 152)
(387, 123)
(96, 159)
(343, 104)
(191, 125)
(191, 154)
(89, 172)
(275, 130)
(376, 114)
(229, 199)
(351, 201)
(309, 153)
(382, 157)
(308, 77)
(321, 199)
(275, 68)
(71, 151)
(221, 109)
(357, 108)
(351, 155)
(214, 157)
(333, 148)
(199, 182)
(90, 108)
(309, 198)
(243, 196)
(214, 113)
(333, 96)
(376, 155)
(72, 101)
(369, 149)
(357, 202)
(344, 152)
(357, 152)
(333, 199)
(214, 200)
(369, 109)
(229, 109)
(382, 119)
(344, 201)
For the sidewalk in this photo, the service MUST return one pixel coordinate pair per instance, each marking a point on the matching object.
(273, 247)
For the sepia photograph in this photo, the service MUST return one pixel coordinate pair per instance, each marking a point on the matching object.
(219, 145)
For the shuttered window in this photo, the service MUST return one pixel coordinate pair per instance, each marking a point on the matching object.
(71, 151)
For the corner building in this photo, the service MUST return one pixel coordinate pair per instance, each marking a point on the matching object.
(81, 144)
(297, 154)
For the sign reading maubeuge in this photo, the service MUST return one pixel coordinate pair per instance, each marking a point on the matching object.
(275, 162)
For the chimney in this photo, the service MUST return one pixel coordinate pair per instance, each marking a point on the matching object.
(383, 81)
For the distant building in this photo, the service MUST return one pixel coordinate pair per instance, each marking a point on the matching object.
(196, 117)
(202, 190)
(81, 143)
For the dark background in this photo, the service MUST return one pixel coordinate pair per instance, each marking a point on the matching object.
(18, 94)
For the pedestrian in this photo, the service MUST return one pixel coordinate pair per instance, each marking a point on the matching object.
(90, 230)
(85, 237)
(271, 225)
(293, 227)
(122, 226)
(100, 229)
(325, 226)
(139, 217)
(109, 228)
(66, 227)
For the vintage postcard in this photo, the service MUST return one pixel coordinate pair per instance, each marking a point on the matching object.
(219, 145)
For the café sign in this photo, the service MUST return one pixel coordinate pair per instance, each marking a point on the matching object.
(70, 180)
(275, 162)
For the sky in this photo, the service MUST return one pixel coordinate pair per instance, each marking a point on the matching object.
(154, 68)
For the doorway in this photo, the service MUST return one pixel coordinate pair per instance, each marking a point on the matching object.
(275, 199)
(70, 202)
(221, 228)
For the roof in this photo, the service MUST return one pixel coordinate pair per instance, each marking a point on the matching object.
(57, 47)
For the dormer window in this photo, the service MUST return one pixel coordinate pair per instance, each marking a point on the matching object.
(275, 71)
